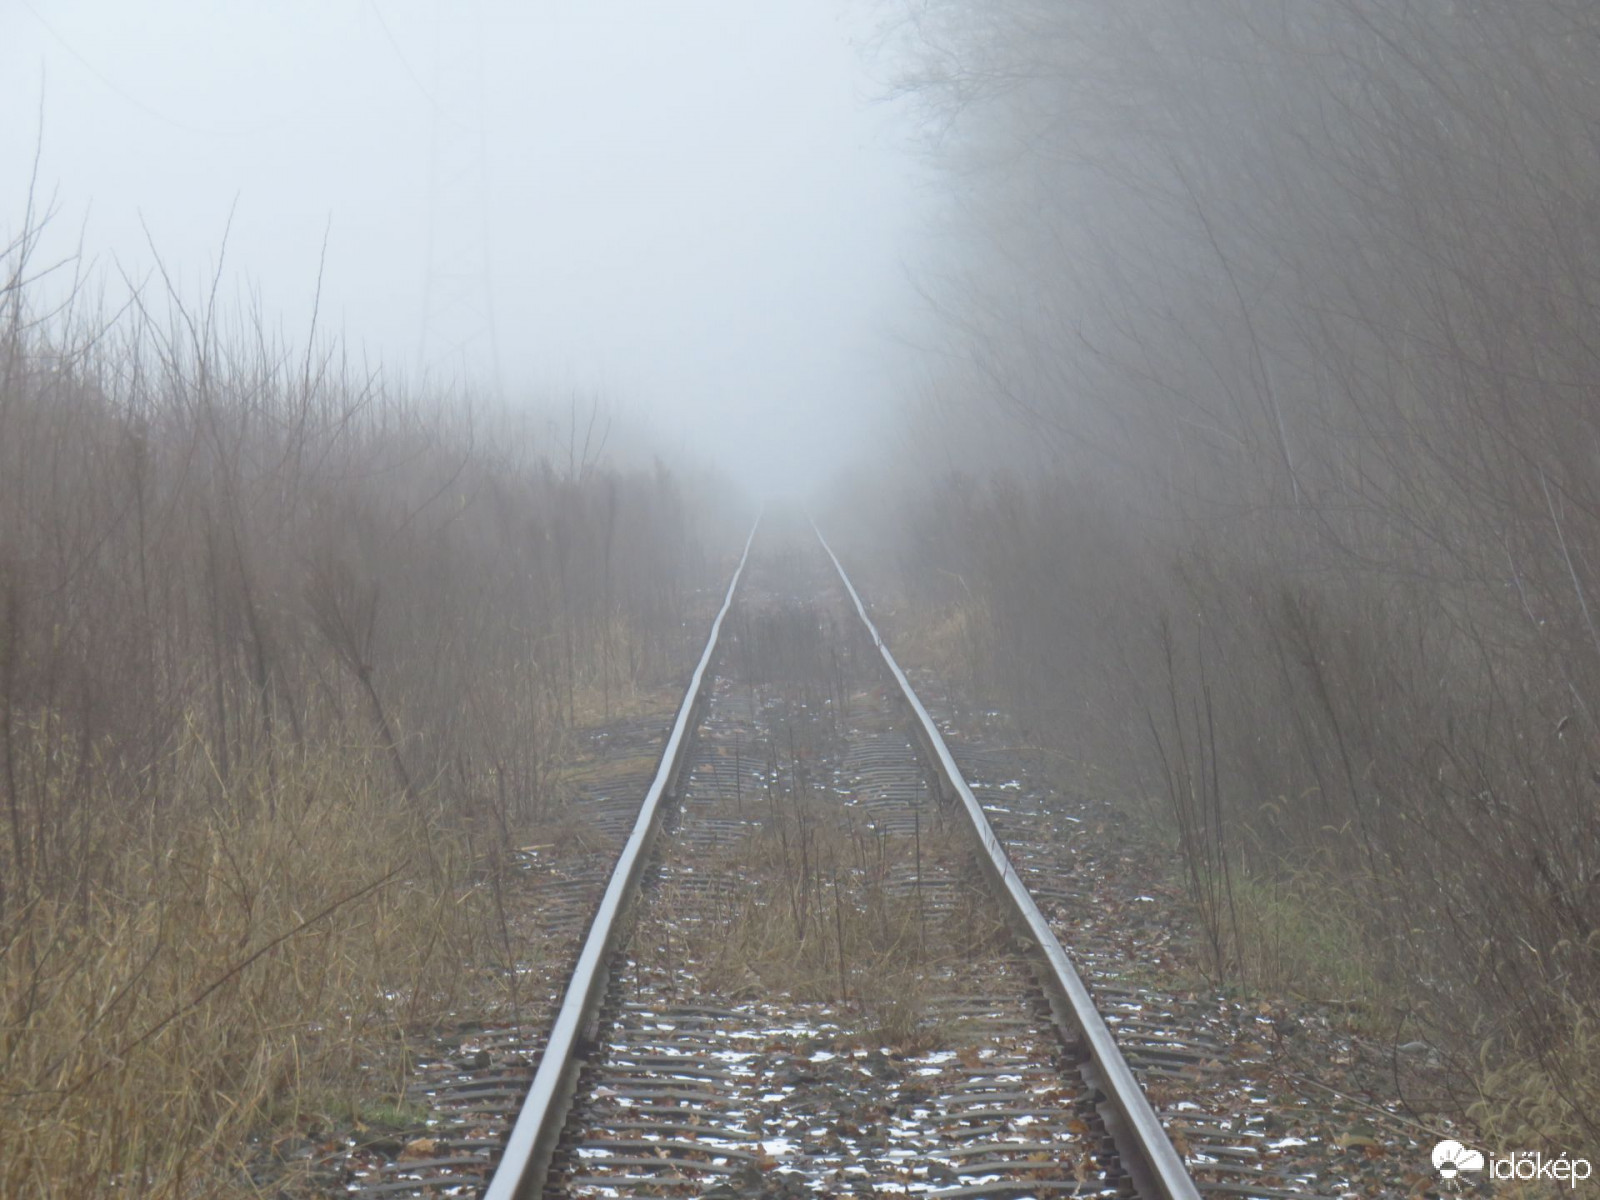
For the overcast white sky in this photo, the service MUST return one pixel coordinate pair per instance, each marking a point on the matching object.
(700, 208)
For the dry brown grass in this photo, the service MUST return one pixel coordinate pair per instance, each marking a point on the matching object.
(288, 662)
(249, 961)
(234, 959)
(1529, 1101)
(824, 927)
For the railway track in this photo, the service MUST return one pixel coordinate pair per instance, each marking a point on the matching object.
(813, 970)
(823, 977)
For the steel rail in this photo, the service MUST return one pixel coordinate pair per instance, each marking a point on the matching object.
(1148, 1154)
(525, 1162)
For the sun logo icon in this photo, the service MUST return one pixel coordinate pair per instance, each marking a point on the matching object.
(1451, 1158)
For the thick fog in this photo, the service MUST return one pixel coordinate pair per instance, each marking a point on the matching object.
(699, 211)
(1202, 393)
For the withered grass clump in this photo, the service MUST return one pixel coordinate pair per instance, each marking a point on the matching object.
(226, 961)
(823, 925)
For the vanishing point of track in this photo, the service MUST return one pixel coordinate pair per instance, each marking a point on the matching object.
(655, 1084)
(806, 805)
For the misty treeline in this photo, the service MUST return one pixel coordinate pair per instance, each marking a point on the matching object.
(1299, 299)
(287, 659)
